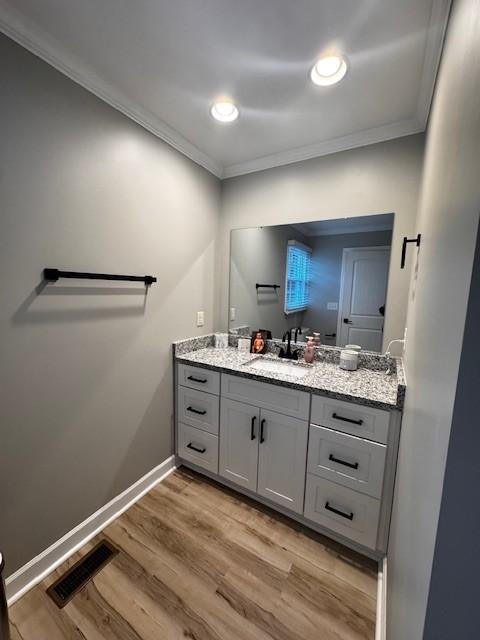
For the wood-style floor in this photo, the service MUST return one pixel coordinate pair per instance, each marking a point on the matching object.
(200, 562)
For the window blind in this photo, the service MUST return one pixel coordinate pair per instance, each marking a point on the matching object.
(298, 273)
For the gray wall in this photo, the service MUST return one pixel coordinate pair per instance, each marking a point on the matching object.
(259, 255)
(448, 221)
(381, 178)
(456, 562)
(85, 371)
(326, 275)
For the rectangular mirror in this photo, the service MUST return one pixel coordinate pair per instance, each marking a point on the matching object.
(328, 277)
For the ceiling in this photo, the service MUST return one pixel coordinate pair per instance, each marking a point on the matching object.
(163, 62)
(359, 224)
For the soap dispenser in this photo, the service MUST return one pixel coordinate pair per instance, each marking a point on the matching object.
(309, 353)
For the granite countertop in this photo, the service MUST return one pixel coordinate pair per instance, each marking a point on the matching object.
(368, 386)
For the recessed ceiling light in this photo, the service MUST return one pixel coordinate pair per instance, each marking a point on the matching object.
(224, 111)
(329, 69)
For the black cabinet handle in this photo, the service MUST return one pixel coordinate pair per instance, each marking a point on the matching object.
(192, 446)
(192, 410)
(337, 417)
(252, 428)
(262, 425)
(348, 516)
(404, 247)
(345, 464)
(193, 379)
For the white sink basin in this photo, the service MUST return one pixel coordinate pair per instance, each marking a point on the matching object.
(293, 369)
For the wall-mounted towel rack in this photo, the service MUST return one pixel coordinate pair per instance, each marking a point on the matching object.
(52, 275)
(406, 241)
(267, 286)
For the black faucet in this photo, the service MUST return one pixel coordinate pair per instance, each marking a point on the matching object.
(288, 353)
(298, 331)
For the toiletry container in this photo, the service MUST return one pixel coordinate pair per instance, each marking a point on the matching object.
(348, 360)
(244, 344)
(221, 340)
(316, 339)
(309, 353)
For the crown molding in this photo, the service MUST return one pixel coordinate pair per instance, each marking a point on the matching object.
(437, 28)
(343, 143)
(29, 36)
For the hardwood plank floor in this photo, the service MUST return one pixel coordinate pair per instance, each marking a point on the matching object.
(202, 562)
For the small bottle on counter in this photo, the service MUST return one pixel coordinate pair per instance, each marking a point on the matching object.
(309, 353)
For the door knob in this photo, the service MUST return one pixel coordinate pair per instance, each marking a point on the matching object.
(347, 321)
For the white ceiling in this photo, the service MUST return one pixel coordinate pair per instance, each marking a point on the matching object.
(163, 62)
(359, 224)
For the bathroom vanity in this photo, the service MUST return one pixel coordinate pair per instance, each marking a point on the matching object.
(314, 442)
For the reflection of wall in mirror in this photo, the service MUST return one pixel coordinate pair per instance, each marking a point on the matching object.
(259, 255)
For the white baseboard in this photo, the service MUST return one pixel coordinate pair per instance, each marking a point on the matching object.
(381, 618)
(39, 567)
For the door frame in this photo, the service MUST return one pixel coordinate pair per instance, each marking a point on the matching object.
(342, 282)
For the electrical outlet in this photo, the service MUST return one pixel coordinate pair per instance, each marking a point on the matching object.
(200, 318)
(233, 312)
(332, 306)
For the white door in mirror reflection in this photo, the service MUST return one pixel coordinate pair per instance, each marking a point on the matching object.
(363, 293)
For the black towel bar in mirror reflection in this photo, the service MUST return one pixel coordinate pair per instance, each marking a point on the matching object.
(52, 275)
(267, 286)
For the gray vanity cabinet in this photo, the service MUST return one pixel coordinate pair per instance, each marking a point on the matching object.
(327, 463)
(263, 451)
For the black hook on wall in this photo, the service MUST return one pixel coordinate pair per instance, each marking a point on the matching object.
(404, 247)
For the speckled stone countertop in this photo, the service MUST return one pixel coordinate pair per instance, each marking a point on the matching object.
(368, 386)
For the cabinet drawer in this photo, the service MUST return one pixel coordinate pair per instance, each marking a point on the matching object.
(351, 514)
(198, 409)
(198, 447)
(267, 396)
(364, 422)
(198, 378)
(353, 462)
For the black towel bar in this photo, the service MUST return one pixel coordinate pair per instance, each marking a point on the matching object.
(267, 286)
(52, 275)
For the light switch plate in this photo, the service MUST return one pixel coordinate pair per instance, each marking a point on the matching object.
(332, 306)
(200, 318)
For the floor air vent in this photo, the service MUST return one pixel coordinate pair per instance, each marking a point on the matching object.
(63, 590)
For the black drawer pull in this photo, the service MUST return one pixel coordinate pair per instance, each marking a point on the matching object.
(337, 417)
(262, 425)
(193, 379)
(348, 516)
(252, 428)
(192, 410)
(192, 446)
(345, 464)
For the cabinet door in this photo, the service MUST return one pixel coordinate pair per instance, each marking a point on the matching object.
(282, 459)
(239, 432)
